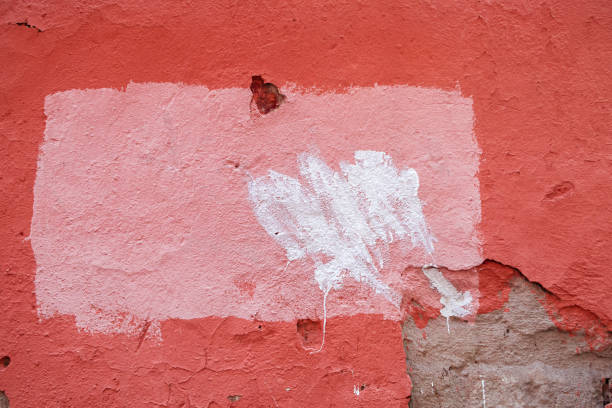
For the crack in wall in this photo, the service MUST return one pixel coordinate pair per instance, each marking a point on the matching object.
(28, 25)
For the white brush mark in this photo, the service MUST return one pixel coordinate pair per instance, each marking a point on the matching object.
(455, 303)
(345, 216)
(356, 390)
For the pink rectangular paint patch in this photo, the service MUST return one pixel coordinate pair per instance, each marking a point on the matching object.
(170, 201)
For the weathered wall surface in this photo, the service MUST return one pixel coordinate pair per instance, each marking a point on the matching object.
(512, 357)
(164, 244)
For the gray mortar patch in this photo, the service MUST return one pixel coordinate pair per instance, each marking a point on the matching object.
(4, 402)
(514, 358)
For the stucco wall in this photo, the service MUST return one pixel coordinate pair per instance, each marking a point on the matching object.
(165, 244)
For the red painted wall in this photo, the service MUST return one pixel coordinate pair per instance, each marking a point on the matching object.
(539, 76)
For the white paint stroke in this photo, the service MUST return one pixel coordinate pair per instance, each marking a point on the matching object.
(455, 303)
(356, 390)
(341, 220)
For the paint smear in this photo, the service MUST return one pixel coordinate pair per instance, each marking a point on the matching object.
(458, 304)
(142, 210)
(343, 221)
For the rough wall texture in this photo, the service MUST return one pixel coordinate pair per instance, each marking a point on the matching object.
(536, 77)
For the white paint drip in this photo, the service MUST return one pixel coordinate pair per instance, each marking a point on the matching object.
(455, 303)
(484, 397)
(356, 390)
(324, 322)
(347, 217)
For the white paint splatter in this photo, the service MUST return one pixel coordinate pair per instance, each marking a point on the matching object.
(346, 217)
(455, 303)
(356, 390)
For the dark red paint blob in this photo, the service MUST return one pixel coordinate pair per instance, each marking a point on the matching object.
(266, 95)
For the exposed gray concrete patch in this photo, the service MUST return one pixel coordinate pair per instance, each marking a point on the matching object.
(4, 401)
(513, 358)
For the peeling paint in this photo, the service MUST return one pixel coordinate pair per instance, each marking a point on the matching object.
(514, 356)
